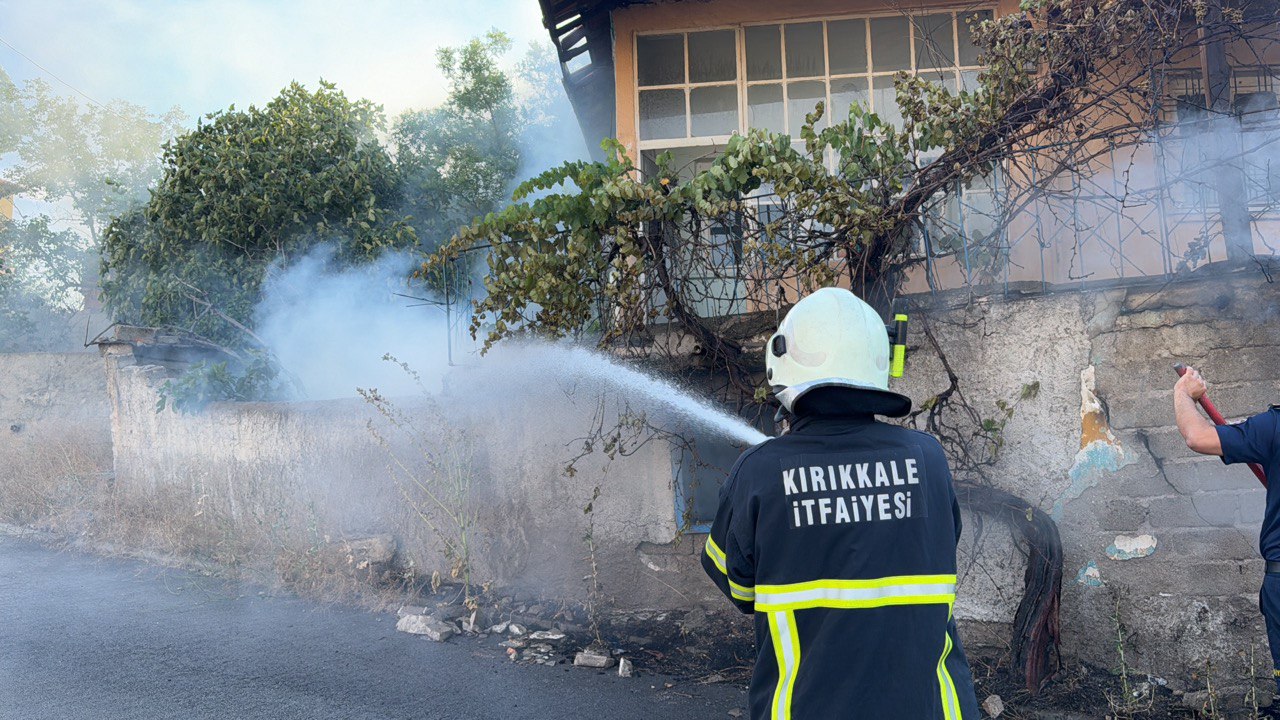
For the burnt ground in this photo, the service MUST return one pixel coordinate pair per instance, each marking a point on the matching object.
(108, 638)
(115, 638)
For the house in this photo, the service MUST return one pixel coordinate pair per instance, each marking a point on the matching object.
(684, 76)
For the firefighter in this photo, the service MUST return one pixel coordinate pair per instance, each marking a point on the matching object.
(1251, 441)
(840, 536)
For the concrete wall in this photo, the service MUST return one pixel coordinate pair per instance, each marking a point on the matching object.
(54, 428)
(340, 469)
(1167, 537)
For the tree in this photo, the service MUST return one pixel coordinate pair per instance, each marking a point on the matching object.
(39, 285)
(98, 159)
(244, 190)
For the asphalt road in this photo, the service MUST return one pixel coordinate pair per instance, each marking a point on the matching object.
(89, 637)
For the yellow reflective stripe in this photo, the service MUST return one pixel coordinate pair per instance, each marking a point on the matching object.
(786, 650)
(856, 594)
(716, 554)
(739, 592)
(950, 701)
(873, 583)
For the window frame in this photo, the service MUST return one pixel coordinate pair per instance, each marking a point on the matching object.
(742, 84)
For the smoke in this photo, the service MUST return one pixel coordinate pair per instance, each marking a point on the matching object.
(332, 329)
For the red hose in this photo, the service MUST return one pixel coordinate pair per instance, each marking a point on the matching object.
(1217, 418)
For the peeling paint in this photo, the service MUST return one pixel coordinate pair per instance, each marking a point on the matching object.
(1089, 576)
(1129, 547)
(1100, 452)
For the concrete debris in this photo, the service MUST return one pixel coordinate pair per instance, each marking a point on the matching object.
(469, 624)
(516, 643)
(625, 668)
(411, 610)
(547, 636)
(593, 657)
(517, 630)
(1130, 547)
(735, 713)
(500, 628)
(993, 706)
(1089, 576)
(717, 678)
(376, 550)
(513, 654)
(426, 625)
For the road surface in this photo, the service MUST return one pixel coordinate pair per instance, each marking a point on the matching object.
(89, 637)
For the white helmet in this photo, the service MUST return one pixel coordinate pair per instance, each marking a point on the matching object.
(832, 338)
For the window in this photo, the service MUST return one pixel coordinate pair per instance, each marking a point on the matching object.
(1189, 158)
(695, 87)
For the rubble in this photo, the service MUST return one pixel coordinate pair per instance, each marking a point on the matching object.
(426, 625)
(547, 636)
(993, 706)
(411, 610)
(593, 657)
(625, 668)
(517, 630)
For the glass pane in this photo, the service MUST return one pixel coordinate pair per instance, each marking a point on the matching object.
(969, 80)
(661, 114)
(847, 46)
(764, 107)
(713, 57)
(764, 52)
(884, 100)
(714, 110)
(804, 50)
(935, 41)
(802, 97)
(844, 93)
(660, 59)
(945, 78)
(967, 21)
(890, 44)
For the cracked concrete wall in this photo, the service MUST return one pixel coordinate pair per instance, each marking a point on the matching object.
(1148, 527)
(313, 472)
(54, 419)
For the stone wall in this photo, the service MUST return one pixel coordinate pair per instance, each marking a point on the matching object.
(341, 469)
(1165, 538)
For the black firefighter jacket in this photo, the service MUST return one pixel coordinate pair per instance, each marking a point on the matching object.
(841, 537)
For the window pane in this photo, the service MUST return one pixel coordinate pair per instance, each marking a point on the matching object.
(885, 101)
(890, 44)
(945, 78)
(967, 21)
(661, 114)
(969, 80)
(712, 57)
(764, 52)
(802, 97)
(847, 46)
(935, 41)
(764, 107)
(714, 110)
(844, 93)
(804, 50)
(660, 59)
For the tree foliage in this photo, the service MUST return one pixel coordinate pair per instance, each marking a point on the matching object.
(604, 245)
(39, 285)
(244, 190)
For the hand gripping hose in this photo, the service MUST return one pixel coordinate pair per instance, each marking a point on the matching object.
(1217, 418)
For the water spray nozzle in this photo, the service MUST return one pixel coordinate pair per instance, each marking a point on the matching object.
(898, 345)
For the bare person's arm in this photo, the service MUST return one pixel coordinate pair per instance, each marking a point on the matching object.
(1200, 434)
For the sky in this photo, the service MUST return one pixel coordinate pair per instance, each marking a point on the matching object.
(204, 55)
